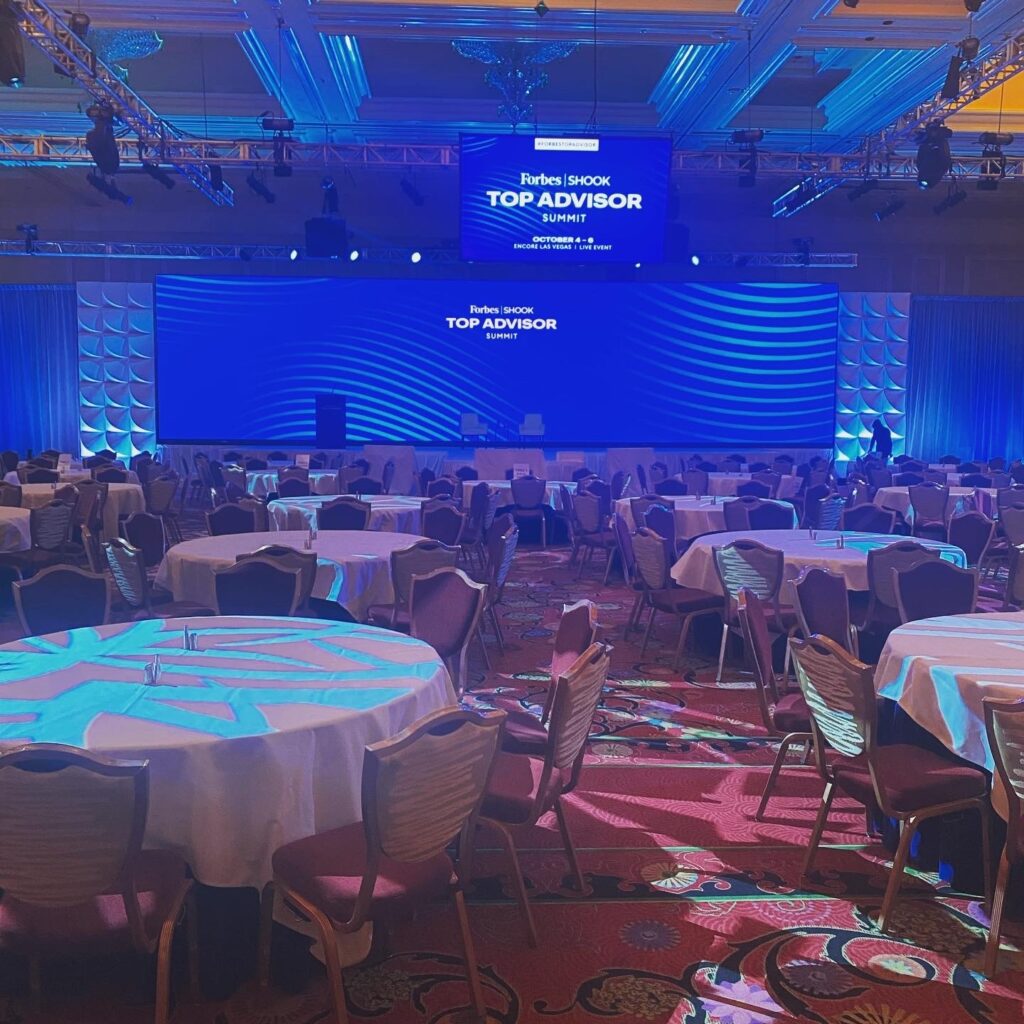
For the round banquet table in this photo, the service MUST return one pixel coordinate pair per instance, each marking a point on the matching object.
(552, 493)
(725, 484)
(693, 515)
(260, 483)
(122, 501)
(353, 566)
(392, 512)
(72, 476)
(15, 529)
(253, 740)
(898, 498)
(939, 671)
(696, 567)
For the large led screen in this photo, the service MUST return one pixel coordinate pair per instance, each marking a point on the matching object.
(243, 359)
(528, 198)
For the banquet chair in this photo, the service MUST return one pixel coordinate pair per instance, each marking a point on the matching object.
(364, 485)
(289, 558)
(934, 587)
(975, 480)
(822, 606)
(638, 507)
(483, 504)
(387, 476)
(935, 476)
(770, 479)
(417, 559)
(970, 467)
(783, 465)
(10, 495)
(881, 614)
(706, 467)
(867, 519)
(50, 530)
(501, 550)
(653, 564)
(445, 607)
(812, 498)
(9, 460)
(443, 487)
(252, 465)
(110, 475)
(696, 481)
(830, 512)
(620, 483)
(230, 519)
(731, 464)
(145, 532)
(749, 564)
(661, 519)
(930, 503)
(567, 514)
(396, 860)
(142, 601)
(528, 493)
(73, 875)
(235, 477)
(257, 586)
(758, 467)
(92, 502)
(344, 513)
(670, 487)
(753, 489)
(879, 476)
(1004, 724)
(658, 473)
(734, 512)
(581, 473)
(523, 788)
(905, 782)
(443, 522)
(997, 464)
(293, 487)
(972, 532)
(465, 473)
(39, 476)
(593, 533)
(595, 486)
(292, 473)
(770, 515)
(61, 597)
(500, 525)
(949, 460)
(1010, 497)
(785, 715)
(627, 559)
(261, 517)
(232, 492)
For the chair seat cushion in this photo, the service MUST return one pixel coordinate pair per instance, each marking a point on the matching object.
(514, 786)
(100, 923)
(600, 539)
(684, 600)
(327, 869)
(791, 714)
(911, 777)
(380, 615)
(523, 734)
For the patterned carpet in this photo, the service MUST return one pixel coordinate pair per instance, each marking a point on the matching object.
(694, 914)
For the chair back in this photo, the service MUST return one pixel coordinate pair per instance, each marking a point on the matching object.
(588, 513)
(387, 476)
(758, 642)
(50, 525)
(624, 540)
(638, 507)
(252, 465)
(822, 606)
(748, 564)
(934, 587)
(146, 532)
(771, 480)
(949, 460)
(344, 513)
(480, 507)
(662, 521)
(1004, 723)
(753, 489)
(577, 695)
(419, 559)
(10, 495)
(971, 532)
(577, 629)
(365, 485)
(128, 569)
(653, 559)
(501, 550)
(292, 473)
(696, 481)
(879, 476)
(35, 475)
(641, 476)
(620, 483)
(289, 558)
(92, 500)
(813, 497)
(929, 502)
(1011, 519)
(111, 475)
(868, 519)
(257, 586)
(71, 827)
(8, 461)
(670, 487)
(293, 487)
(230, 519)
(61, 597)
(423, 787)
(501, 525)
(426, 477)
(974, 480)
(1008, 497)
(881, 562)
(830, 512)
(443, 523)
(234, 478)
(442, 488)
(528, 491)
(597, 488)
(770, 515)
(465, 473)
(735, 512)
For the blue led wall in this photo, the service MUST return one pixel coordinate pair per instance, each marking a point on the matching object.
(241, 360)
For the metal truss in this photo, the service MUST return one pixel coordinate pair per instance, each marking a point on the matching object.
(836, 260)
(158, 139)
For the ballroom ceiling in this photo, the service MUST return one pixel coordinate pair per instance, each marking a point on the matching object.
(811, 73)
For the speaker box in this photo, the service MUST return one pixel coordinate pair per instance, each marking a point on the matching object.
(330, 421)
(326, 236)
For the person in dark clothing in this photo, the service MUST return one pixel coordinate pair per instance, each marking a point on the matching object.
(881, 440)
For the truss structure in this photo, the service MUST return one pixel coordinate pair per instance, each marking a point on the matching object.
(53, 36)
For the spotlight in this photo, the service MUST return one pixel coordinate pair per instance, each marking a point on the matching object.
(158, 174)
(282, 169)
(973, 6)
(969, 47)
(31, 233)
(636, 266)
(79, 23)
(416, 256)
(108, 188)
(934, 160)
(858, 191)
(216, 177)
(695, 260)
(330, 203)
(954, 197)
(996, 139)
(541, 8)
(12, 51)
(256, 184)
(353, 256)
(100, 139)
(277, 124)
(747, 136)
(894, 205)
(850, 3)
(293, 255)
(951, 86)
(412, 193)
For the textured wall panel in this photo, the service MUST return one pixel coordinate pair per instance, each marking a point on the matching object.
(874, 328)
(115, 367)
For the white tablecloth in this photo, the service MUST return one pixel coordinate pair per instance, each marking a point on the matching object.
(262, 482)
(898, 498)
(726, 484)
(254, 740)
(354, 566)
(939, 671)
(73, 476)
(552, 494)
(694, 515)
(122, 500)
(696, 567)
(15, 530)
(395, 513)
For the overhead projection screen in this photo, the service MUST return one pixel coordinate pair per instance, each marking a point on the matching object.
(242, 360)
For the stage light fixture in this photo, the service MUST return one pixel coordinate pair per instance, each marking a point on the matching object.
(100, 139)
(12, 50)
(862, 189)
(216, 177)
(748, 137)
(695, 260)
(970, 47)
(330, 204)
(31, 233)
(293, 255)
(851, 3)
(636, 266)
(934, 159)
(158, 174)
(973, 6)
(541, 8)
(894, 205)
(108, 188)
(277, 124)
(951, 85)
(954, 197)
(353, 256)
(282, 169)
(416, 256)
(256, 184)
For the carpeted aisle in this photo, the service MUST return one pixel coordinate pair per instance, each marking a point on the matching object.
(694, 914)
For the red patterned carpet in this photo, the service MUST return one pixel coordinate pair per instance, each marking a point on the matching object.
(695, 914)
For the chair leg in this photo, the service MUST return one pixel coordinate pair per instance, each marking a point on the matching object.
(780, 757)
(472, 974)
(986, 849)
(517, 881)
(996, 923)
(631, 622)
(721, 651)
(607, 565)
(192, 937)
(570, 850)
(684, 632)
(266, 930)
(483, 645)
(163, 973)
(497, 628)
(647, 632)
(544, 532)
(819, 827)
(907, 829)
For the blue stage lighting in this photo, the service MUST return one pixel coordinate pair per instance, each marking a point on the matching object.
(353, 255)
(416, 257)
(293, 255)
(695, 260)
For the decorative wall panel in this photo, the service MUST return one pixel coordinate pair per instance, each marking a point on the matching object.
(874, 328)
(115, 367)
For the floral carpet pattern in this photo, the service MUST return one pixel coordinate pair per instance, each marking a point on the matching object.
(694, 913)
